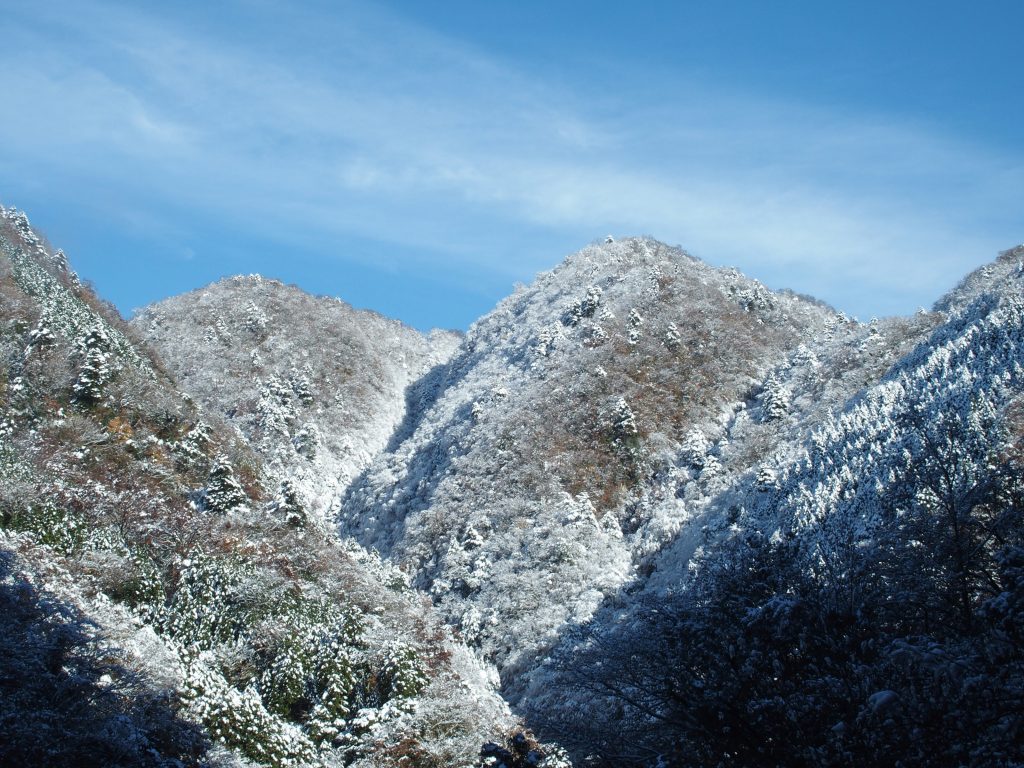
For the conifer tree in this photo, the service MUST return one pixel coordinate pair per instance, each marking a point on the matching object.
(766, 480)
(289, 504)
(95, 372)
(695, 448)
(623, 419)
(41, 338)
(775, 399)
(223, 492)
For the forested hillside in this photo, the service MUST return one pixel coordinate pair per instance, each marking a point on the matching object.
(646, 509)
(315, 386)
(164, 600)
(855, 598)
(587, 423)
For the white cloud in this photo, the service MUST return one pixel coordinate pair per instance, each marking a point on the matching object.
(374, 127)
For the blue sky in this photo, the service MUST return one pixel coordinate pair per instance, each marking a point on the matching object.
(419, 158)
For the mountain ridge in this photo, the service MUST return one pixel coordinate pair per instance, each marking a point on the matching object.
(210, 621)
(315, 420)
(622, 323)
(679, 518)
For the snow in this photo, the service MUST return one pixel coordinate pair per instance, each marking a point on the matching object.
(604, 441)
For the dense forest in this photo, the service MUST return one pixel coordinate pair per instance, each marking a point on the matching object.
(646, 512)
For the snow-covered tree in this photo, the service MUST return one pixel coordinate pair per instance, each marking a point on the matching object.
(476, 411)
(712, 467)
(636, 322)
(694, 449)
(239, 719)
(289, 505)
(672, 337)
(255, 319)
(622, 418)
(766, 480)
(307, 441)
(585, 307)
(95, 369)
(223, 492)
(41, 339)
(546, 342)
(301, 386)
(194, 444)
(775, 399)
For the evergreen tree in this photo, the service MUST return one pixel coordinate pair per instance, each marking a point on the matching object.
(695, 448)
(623, 419)
(95, 371)
(41, 338)
(301, 386)
(712, 467)
(581, 308)
(289, 505)
(672, 337)
(775, 399)
(306, 441)
(223, 492)
(192, 447)
(766, 480)
(255, 320)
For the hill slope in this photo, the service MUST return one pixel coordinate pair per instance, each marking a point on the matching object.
(855, 598)
(162, 602)
(583, 424)
(615, 441)
(315, 386)
(685, 520)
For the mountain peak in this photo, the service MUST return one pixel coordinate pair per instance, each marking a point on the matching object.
(656, 502)
(315, 384)
(995, 277)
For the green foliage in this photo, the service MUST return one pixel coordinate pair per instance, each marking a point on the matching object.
(223, 491)
(311, 676)
(305, 661)
(284, 684)
(238, 719)
(68, 698)
(402, 674)
(53, 525)
(328, 718)
(209, 605)
(143, 587)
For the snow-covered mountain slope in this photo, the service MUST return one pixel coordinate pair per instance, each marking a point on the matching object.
(160, 605)
(869, 555)
(585, 422)
(315, 386)
(687, 520)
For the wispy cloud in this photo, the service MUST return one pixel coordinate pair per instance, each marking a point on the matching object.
(363, 124)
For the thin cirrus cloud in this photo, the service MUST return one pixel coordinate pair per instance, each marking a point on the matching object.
(358, 124)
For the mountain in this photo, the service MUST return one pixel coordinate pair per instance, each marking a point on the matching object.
(678, 518)
(584, 423)
(165, 601)
(641, 460)
(856, 595)
(314, 386)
